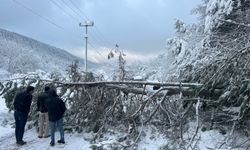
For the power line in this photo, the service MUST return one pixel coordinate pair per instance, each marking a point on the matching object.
(65, 3)
(98, 31)
(96, 50)
(32, 11)
(44, 18)
(97, 38)
(66, 12)
(85, 16)
(95, 27)
(68, 6)
(79, 15)
(51, 22)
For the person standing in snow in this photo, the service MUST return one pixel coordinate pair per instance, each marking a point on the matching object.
(43, 114)
(22, 104)
(56, 108)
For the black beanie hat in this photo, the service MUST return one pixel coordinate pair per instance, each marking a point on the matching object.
(30, 88)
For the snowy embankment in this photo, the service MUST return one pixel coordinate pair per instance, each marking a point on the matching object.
(6, 119)
(151, 139)
(7, 135)
(74, 141)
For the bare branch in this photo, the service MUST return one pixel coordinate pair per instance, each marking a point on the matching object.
(197, 124)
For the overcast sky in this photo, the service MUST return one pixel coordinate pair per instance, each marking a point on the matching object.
(139, 27)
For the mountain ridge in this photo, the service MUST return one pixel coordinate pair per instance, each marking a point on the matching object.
(20, 54)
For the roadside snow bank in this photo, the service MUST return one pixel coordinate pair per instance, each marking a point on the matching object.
(6, 119)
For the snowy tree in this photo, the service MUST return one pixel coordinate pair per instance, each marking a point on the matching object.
(120, 72)
(214, 52)
(18, 60)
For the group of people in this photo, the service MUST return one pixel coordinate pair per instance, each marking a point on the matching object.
(51, 109)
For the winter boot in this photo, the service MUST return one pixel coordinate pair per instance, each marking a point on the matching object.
(52, 143)
(60, 141)
(21, 143)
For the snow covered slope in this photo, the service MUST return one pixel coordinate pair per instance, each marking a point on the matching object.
(20, 54)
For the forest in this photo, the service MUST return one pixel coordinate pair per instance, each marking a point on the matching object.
(203, 78)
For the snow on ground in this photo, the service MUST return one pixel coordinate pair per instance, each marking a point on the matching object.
(151, 139)
(7, 136)
(73, 142)
(6, 119)
(210, 139)
(207, 139)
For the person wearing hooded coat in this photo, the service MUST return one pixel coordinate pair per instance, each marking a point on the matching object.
(56, 108)
(22, 102)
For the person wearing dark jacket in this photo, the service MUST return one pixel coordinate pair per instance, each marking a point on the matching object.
(43, 114)
(22, 104)
(56, 108)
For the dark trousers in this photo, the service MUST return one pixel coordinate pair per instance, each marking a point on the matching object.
(21, 119)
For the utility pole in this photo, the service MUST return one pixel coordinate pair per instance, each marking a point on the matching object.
(86, 25)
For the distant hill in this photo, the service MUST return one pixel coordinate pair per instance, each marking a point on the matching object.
(21, 54)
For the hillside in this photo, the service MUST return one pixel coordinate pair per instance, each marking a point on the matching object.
(20, 54)
(194, 96)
